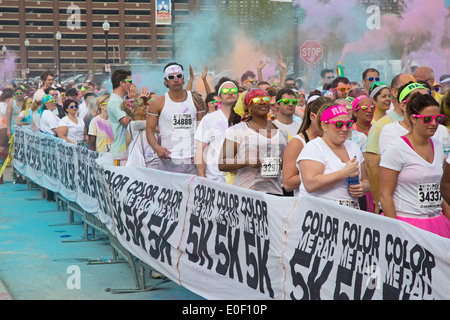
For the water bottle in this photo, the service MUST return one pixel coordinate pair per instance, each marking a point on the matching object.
(353, 180)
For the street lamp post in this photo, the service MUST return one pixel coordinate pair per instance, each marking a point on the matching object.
(4, 49)
(27, 44)
(106, 30)
(58, 40)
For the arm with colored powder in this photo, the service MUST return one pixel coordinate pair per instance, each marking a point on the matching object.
(191, 79)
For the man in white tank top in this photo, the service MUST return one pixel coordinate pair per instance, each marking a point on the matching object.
(176, 114)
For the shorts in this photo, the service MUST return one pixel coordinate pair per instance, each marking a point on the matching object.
(439, 225)
(186, 166)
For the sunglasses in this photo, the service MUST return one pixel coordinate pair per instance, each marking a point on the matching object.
(343, 89)
(428, 119)
(340, 124)
(18, 93)
(51, 101)
(228, 90)
(129, 80)
(173, 76)
(214, 101)
(364, 108)
(72, 106)
(372, 79)
(259, 100)
(252, 81)
(287, 101)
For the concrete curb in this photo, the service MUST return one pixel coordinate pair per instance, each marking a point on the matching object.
(4, 294)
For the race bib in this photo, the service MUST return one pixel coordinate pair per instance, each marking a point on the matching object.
(429, 195)
(270, 167)
(182, 121)
(349, 203)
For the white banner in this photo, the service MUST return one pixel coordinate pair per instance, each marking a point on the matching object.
(233, 240)
(225, 242)
(335, 252)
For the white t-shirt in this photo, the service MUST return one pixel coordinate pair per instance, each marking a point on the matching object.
(252, 146)
(417, 190)
(291, 129)
(75, 131)
(48, 121)
(394, 130)
(318, 150)
(211, 130)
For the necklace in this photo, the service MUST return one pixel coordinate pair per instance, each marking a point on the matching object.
(258, 127)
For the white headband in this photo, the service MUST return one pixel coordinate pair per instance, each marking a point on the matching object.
(226, 82)
(172, 69)
(376, 90)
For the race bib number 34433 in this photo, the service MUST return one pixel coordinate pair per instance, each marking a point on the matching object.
(429, 195)
(182, 121)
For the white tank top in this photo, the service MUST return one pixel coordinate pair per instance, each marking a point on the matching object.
(177, 123)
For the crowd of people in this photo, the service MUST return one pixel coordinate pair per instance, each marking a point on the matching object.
(364, 143)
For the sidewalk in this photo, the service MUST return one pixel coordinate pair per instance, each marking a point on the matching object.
(36, 263)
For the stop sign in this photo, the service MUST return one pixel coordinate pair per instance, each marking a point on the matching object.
(311, 51)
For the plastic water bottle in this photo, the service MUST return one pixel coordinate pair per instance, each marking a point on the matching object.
(353, 180)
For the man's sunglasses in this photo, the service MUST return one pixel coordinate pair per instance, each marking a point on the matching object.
(228, 90)
(340, 124)
(129, 80)
(72, 106)
(373, 79)
(252, 81)
(428, 119)
(173, 76)
(287, 101)
(343, 89)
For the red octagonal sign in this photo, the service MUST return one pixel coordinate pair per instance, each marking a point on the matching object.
(311, 51)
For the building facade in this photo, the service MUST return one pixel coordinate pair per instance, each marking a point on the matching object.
(132, 34)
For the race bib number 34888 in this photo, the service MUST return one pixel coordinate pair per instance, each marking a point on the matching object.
(182, 121)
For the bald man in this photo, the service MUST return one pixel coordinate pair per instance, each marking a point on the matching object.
(427, 74)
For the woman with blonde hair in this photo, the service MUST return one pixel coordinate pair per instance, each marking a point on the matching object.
(100, 134)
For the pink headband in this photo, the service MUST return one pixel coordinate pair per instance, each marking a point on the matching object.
(333, 112)
(357, 101)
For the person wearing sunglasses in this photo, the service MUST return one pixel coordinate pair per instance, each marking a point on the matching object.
(140, 153)
(212, 102)
(370, 76)
(72, 128)
(411, 169)
(48, 120)
(340, 87)
(326, 163)
(248, 80)
(24, 117)
(14, 108)
(400, 128)
(254, 147)
(210, 133)
(175, 114)
(287, 102)
(362, 111)
(59, 107)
